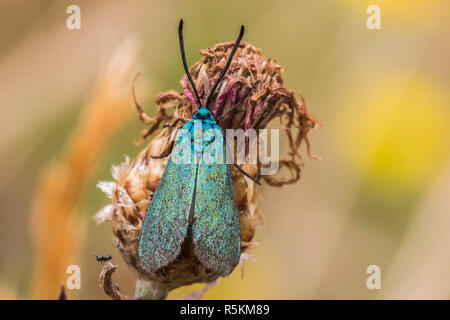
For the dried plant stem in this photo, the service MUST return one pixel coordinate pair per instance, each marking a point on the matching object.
(145, 290)
(110, 288)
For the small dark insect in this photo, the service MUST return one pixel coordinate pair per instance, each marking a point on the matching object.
(102, 258)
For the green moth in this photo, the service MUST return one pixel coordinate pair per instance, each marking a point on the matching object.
(195, 199)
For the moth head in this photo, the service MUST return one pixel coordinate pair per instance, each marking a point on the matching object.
(203, 114)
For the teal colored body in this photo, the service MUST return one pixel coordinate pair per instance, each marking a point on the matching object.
(194, 200)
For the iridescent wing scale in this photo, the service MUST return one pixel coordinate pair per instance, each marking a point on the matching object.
(166, 223)
(216, 230)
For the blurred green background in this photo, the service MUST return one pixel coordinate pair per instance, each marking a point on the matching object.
(380, 197)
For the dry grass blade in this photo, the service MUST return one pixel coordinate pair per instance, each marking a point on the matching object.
(56, 227)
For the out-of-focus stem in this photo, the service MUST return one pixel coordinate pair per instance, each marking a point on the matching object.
(150, 290)
(56, 226)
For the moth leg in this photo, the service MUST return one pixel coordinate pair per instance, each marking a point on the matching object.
(164, 154)
(174, 123)
(142, 115)
(171, 146)
(246, 174)
(243, 171)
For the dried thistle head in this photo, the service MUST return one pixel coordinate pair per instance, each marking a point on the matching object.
(251, 95)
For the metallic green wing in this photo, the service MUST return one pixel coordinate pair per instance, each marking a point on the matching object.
(166, 223)
(215, 229)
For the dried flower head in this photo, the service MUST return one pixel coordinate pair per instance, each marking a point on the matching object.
(250, 96)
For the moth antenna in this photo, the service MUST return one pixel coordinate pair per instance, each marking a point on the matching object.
(183, 57)
(224, 71)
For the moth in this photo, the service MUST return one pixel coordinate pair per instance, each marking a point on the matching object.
(195, 200)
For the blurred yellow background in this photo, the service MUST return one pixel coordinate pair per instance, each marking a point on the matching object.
(381, 196)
